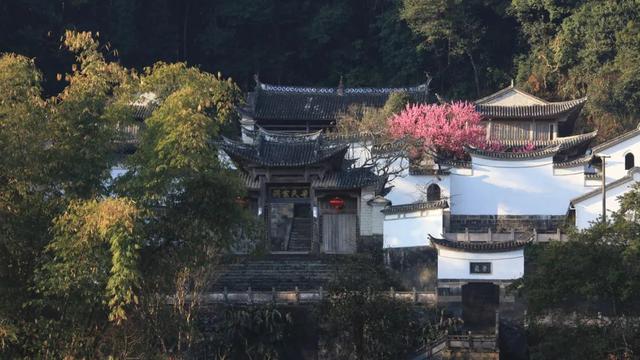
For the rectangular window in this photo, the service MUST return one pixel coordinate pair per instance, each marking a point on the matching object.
(480, 268)
(542, 130)
(510, 130)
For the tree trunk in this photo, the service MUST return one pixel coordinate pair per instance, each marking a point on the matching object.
(475, 73)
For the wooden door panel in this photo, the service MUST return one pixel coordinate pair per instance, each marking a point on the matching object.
(339, 233)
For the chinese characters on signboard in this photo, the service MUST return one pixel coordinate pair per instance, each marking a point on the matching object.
(289, 193)
(480, 268)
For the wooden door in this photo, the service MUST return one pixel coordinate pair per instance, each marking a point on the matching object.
(339, 233)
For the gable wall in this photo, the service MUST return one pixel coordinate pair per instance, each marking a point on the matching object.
(590, 209)
(615, 164)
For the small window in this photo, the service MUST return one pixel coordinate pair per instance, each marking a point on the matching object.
(551, 131)
(433, 192)
(629, 161)
(480, 268)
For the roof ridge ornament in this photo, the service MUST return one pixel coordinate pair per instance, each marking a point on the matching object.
(340, 87)
(426, 85)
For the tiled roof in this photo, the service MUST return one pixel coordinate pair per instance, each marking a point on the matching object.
(507, 90)
(543, 111)
(593, 176)
(476, 246)
(565, 142)
(406, 208)
(143, 111)
(501, 155)
(144, 105)
(584, 160)
(321, 104)
(416, 170)
(250, 183)
(617, 140)
(347, 179)
(343, 180)
(268, 152)
(455, 163)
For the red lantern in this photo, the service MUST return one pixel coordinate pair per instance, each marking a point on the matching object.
(337, 203)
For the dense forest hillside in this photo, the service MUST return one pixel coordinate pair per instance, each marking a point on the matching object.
(557, 49)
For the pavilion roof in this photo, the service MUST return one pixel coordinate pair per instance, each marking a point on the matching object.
(317, 103)
(347, 179)
(283, 150)
(555, 110)
(478, 246)
(513, 103)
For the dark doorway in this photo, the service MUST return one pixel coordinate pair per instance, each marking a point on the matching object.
(302, 211)
(629, 161)
(290, 217)
(479, 304)
(433, 192)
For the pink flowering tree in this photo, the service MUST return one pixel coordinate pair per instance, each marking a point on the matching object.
(444, 129)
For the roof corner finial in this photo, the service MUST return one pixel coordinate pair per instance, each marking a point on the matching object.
(341, 87)
(256, 78)
(511, 82)
(429, 78)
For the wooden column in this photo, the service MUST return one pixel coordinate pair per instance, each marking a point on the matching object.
(315, 214)
(262, 204)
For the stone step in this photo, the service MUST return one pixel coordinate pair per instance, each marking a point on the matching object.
(280, 272)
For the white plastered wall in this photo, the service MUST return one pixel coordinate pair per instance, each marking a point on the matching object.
(412, 228)
(508, 187)
(408, 189)
(507, 265)
(589, 210)
(615, 163)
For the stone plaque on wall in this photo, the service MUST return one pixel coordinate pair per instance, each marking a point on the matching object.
(480, 268)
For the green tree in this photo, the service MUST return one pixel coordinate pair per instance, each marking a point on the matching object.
(569, 284)
(583, 48)
(460, 33)
(87, 265)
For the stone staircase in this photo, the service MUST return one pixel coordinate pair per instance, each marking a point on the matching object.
(300, 237)
(282, 272)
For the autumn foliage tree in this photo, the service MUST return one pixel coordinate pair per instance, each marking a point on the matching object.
(443, 129)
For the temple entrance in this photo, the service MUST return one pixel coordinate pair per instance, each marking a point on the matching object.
(479, 304)
(290, 219)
